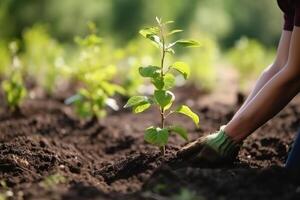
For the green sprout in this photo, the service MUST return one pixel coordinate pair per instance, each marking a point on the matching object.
(13, 87)
(96, 77)
(163, 79)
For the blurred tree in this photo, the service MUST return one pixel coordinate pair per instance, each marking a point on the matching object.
(68, 18)
(254, 19)
(211, 17)
(128, 17)
(16, 15)
(226, 20)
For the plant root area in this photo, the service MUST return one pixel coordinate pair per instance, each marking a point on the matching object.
(48, 153)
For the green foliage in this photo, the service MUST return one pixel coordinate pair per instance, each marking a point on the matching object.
(185, 110)
(13, 87)
(225, 20)
(163, 79)
(203, 62)
(53, 180)
(138, 103)
(249, 57)
(43, 57)
(177, 129)
(182, 68)
(96, 77)
(157, 136)
(252, 19)
(14, 90)
(5, 59)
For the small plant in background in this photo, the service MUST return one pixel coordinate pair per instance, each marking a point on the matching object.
(13, 87)
(163, 79)
(96, 77)
(43, 57)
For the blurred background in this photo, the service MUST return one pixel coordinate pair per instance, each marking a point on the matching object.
(241, 35)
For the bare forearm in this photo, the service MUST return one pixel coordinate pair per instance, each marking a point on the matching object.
(279, 63)
(267, 103)
(262, 80)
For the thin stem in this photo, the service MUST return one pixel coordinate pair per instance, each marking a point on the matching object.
(163, 53)
(162, 111)
(162, 115)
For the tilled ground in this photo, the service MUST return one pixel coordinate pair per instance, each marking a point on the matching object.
(46, 153)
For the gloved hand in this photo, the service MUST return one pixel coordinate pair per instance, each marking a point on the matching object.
(211, 150)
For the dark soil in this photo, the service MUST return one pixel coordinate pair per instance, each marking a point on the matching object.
(108, 159)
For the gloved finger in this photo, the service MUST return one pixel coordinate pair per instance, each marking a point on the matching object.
(191, 148)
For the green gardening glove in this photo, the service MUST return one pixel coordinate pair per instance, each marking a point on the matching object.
(214, 149)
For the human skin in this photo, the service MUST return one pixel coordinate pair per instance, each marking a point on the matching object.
(269, 98)
(268, 73)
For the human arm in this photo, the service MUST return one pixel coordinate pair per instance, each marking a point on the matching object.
(274, 95)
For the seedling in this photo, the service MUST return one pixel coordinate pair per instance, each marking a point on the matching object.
(13, 87)
(96, 77)
(163, 79)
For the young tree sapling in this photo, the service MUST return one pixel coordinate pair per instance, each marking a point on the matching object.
(163, 79)
(96, 78)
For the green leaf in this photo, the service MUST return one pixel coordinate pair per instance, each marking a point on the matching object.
(185, 110)
(110, 88)
(84, 109)
(170, 50)
(136, 100)
(185, 43)
(174, 31)
(152, 34)
(168, 22)
(164, 97)
(74, 98)
(180, 131)
(156, 40)
(149, 71)
(149, 32)
(141, 107)
(158, 82)
(182, 68)
(158, 20)
(169, 81)
(156, 136)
